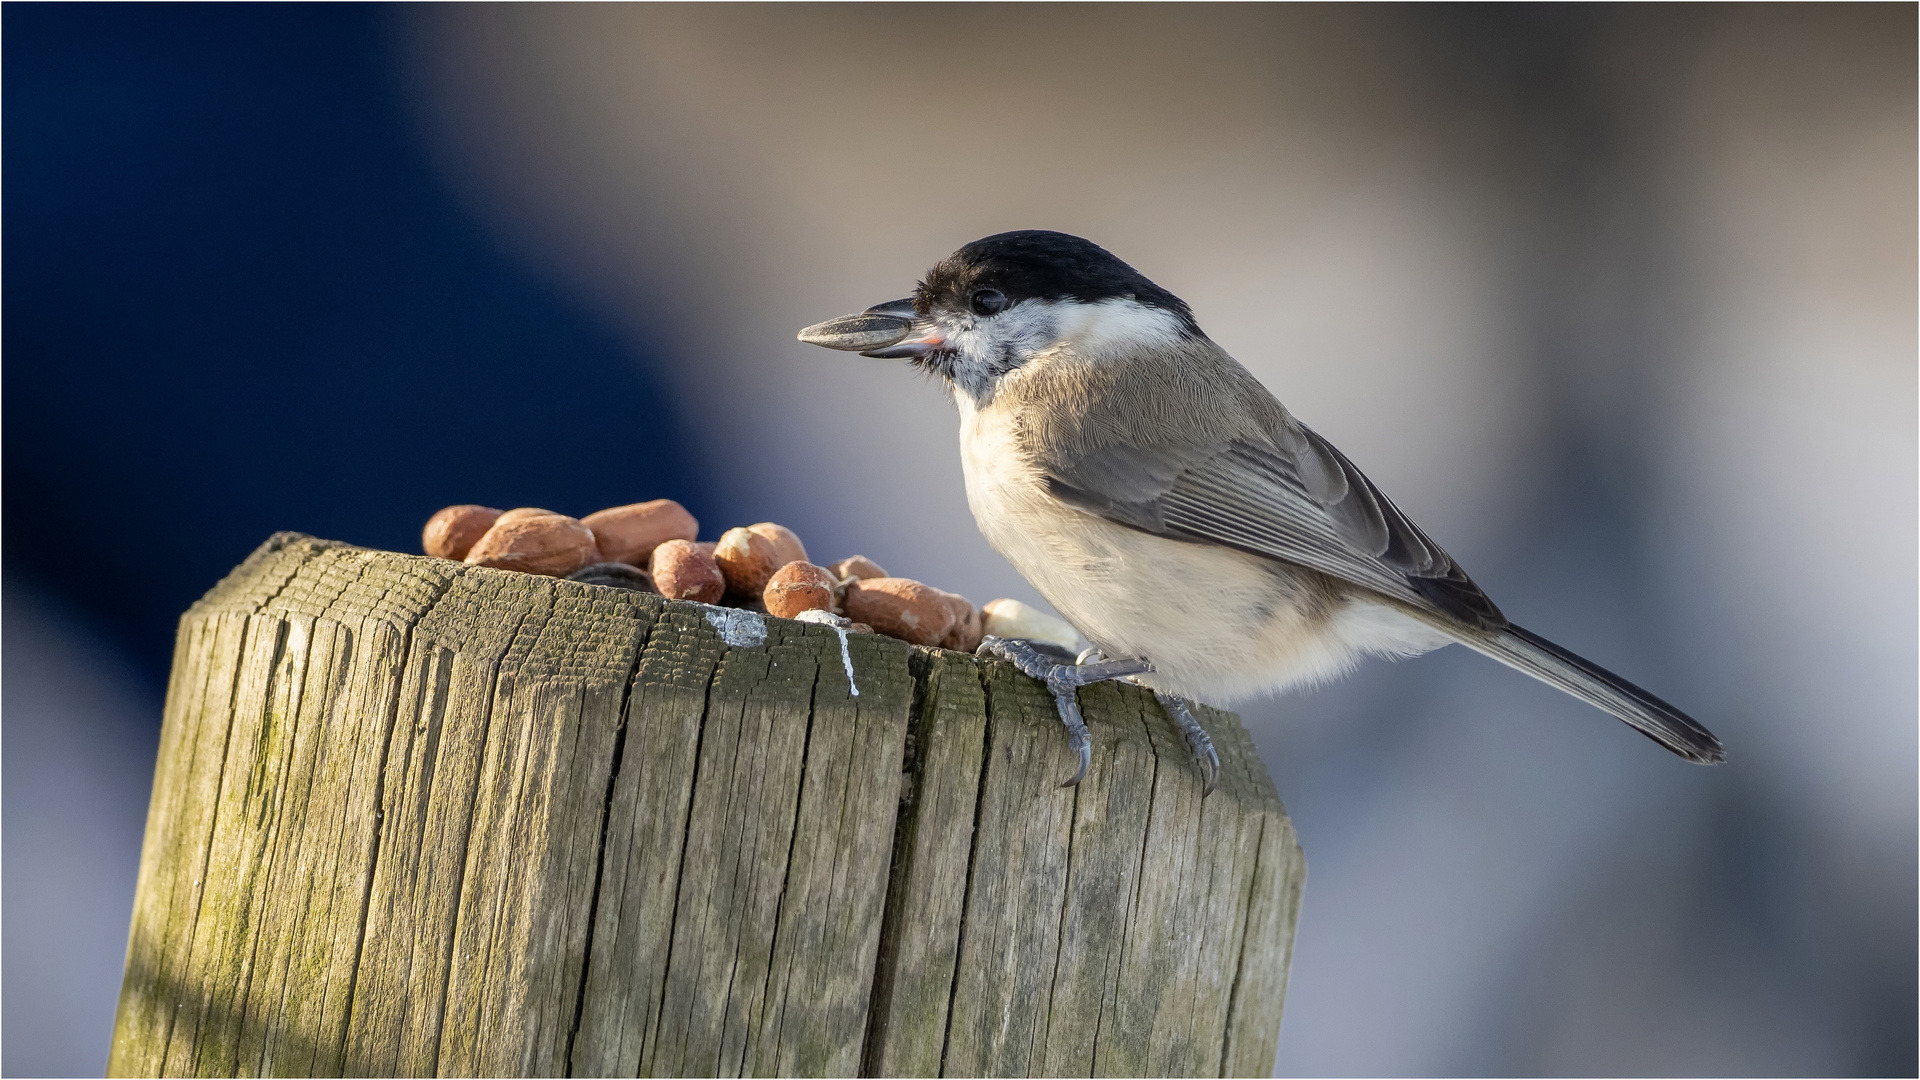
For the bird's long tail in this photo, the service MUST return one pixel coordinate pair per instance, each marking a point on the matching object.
(1595, 685)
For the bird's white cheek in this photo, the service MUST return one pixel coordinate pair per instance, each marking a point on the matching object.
(1117, 326)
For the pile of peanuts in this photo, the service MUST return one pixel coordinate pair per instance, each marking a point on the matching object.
(654, 546)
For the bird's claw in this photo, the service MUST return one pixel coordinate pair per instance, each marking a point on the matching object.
(1197, 739)
(1064, 678)
(1079, 740)
(1181, 713)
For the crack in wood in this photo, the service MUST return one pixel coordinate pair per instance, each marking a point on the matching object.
(477, 822)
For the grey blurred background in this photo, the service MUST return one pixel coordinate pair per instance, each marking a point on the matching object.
(1618, 302)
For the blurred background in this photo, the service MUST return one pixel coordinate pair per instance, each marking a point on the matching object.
(1619, 302)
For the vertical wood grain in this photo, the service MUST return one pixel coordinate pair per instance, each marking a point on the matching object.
(933, 848)
(415, 818)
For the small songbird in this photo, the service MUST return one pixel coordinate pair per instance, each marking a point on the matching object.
(1208, 544)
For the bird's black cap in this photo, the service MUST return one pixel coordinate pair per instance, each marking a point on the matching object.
(1038, 264)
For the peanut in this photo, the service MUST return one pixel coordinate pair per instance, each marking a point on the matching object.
(901, 608)
(535, 542)
(748, 560)
(967, 621)
(856, 566)
(1013, 619)
(798, 587)
(681, 571)
(521, 513)
(629, 533)
(786, 545)
(451, 533)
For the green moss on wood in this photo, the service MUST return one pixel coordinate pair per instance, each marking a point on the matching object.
(411, 817)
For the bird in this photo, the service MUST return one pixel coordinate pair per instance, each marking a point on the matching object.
(1208, 544)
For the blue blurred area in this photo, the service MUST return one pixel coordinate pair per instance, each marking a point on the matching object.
(243, 294)
(238, 299)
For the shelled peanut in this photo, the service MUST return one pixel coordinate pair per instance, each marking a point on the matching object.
(748, 557)
(654, 546)
(535, 541)
(628, 534)
(451, 533)
(797, 587)
(682, 571)
(913, 611)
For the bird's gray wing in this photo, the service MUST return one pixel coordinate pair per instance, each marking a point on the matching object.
(1273, 487)
(1295, 498)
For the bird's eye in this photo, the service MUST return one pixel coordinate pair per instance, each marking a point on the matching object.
(988, 301)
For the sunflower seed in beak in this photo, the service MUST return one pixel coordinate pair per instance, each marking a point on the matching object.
(858, 333)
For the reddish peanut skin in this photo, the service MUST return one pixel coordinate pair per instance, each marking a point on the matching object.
(747, 560)
(901, 608)
(798, 587)
(967, 621)
(521, 513)
(629, 533)
(856, 566)
(681, 571)
(451, 533)
(536, 543)
(786, 544)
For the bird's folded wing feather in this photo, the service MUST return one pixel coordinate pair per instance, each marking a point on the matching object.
(1293, 497)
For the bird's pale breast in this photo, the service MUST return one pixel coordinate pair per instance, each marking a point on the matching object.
(1216, 623)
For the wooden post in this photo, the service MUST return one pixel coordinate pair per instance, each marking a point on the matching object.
(412, 818)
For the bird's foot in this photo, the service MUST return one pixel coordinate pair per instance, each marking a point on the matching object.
(1181, 713)
(1064, 678)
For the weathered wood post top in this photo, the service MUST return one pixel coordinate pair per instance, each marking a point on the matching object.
(412, 817)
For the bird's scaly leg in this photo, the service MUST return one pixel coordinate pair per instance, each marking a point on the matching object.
(1063, 679)
(1197, 740)
(1180, 711)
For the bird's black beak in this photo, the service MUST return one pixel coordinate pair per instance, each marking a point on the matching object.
(884, 331)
